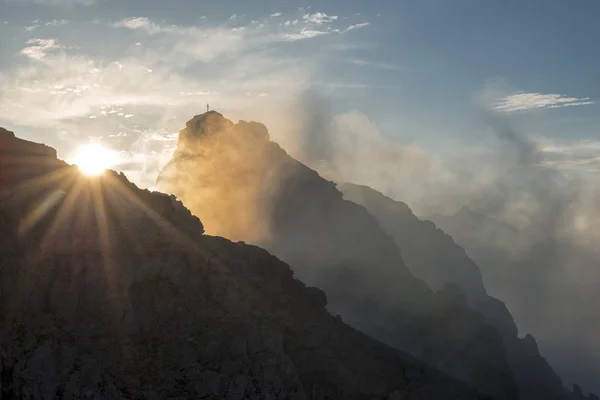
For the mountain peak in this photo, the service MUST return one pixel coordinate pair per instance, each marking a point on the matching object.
(20, 159)
(214, 124)
(206, 117)
(5, 133)
(466, 211)
(202, 125)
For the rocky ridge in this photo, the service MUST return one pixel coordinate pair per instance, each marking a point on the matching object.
(245, 187)
(112, 292)
(433, 256)
(549, 282)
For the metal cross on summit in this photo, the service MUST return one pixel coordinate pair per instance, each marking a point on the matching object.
(206, 107)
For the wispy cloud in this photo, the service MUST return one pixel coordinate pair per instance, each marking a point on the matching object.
(571, 154)
(193, 43)
(534, 101)
(138, 23)
(57, 22)
(319, 18)
(357, 26)
(59, 86)
(32, 27)
(40, 48)
(209, 42)
(378, 65)
(303, 34)
(55, 3)
(137, 96)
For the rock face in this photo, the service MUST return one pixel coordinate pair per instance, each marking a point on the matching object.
(245, 187)
(111, 292)
(550, 282)
(22, 159)
(433, 256)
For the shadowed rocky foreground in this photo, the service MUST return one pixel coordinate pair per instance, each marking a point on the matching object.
(112, 292)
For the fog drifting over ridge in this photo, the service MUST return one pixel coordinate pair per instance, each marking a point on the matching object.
(553, 211)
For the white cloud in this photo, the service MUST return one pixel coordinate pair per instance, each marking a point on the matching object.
(582, 155)
(58, 87)
(200, 93)
(40, 48)
(137, 23)
(208, 43)
(531, 101)
(277, 14)
(319, 18)
(365, 63)
(192, 43)
(57, 22)
(149, 91)
(357, 26)
(55, 3)
(303, 34)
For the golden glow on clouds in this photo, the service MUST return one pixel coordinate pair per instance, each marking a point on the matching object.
(93, 159)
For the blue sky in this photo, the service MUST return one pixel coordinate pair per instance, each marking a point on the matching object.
(419, 77)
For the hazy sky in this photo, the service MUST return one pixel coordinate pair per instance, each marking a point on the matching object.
(415, 75)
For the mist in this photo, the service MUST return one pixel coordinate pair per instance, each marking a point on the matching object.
(544, 269)
(540, 256)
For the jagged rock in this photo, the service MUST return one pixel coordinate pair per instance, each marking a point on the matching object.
(433, 256)
(538, 275)
(245, 187)
(113, 292)
(22, 159)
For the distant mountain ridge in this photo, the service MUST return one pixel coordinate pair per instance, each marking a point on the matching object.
(432, 255)
(245, 187)
(550, 281)
(112, 292)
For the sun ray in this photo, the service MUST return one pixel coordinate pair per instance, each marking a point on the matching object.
(66, 207)
(121, 215)
(104, 231)
(42, 208)
(28, 187)
(161, 222)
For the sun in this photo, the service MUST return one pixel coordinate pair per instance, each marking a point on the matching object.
(93, 159)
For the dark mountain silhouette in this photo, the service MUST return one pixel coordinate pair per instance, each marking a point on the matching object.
(433, 256)
(245, 187)
(112, 292)
(550, 281)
